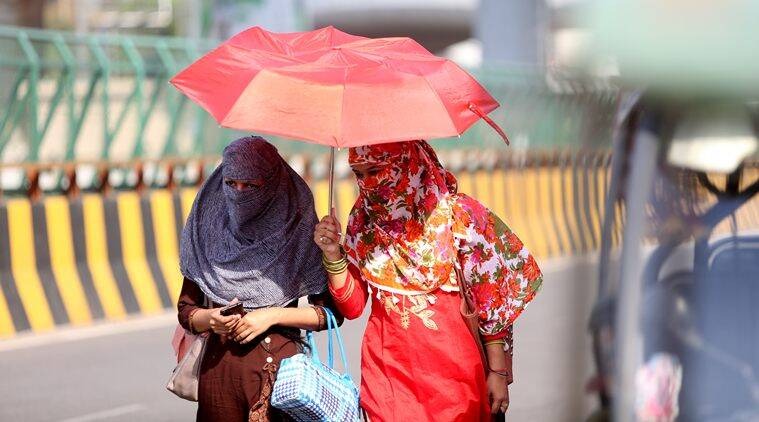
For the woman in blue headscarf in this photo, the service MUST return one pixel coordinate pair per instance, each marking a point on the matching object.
(248, 238)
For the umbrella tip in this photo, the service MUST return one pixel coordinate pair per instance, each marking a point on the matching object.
(476, 110)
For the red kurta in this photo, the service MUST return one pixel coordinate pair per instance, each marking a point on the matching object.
(417, 373)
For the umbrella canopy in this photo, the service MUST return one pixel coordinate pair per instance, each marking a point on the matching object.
(332, 88)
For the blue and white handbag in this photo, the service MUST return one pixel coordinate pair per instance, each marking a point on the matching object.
(308, 390)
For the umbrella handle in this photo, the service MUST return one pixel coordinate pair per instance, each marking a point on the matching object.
(478, 111)
(330, 209)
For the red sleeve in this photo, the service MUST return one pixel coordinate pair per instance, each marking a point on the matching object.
(351, 298)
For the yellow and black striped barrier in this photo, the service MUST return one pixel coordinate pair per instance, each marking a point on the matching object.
(74, 260)
(554, 203)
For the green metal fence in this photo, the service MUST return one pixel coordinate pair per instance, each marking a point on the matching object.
(92, 98)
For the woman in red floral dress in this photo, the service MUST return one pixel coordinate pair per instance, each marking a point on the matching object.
(408, 230)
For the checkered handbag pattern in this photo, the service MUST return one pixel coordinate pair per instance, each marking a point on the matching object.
(308, 390)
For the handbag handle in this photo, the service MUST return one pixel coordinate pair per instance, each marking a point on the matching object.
(331, 326)
(340, 344)
(312, 342)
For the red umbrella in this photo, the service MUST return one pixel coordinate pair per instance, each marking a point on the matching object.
(332, 88)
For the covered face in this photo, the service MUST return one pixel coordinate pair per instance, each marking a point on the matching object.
(253, 240)
(399, 181)
(255, 161)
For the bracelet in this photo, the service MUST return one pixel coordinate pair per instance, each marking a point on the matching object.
(191, 322)
(502, 372)
(320, 315)
(335, 267)
(339, 262)
(488, 343)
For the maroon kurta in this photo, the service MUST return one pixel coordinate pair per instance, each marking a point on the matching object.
(236, 379)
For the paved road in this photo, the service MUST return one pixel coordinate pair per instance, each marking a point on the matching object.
(118, 372)
(117, 377)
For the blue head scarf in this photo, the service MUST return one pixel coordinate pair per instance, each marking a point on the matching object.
(255, 245)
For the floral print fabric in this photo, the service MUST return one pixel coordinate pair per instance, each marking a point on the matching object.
(393, 234)
(409, 227)
(503, 275)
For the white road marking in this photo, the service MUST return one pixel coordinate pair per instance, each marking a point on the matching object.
(100, 329)
(107, 414)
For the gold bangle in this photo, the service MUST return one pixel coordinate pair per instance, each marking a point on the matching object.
(338, 264)
(488, 343)
(326, 261)
(335, 267)
(337, 270)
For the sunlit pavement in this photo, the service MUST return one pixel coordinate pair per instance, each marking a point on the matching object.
(118, 372)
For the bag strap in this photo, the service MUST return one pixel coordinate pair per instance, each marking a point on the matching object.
(471, 308)
(331, 327)
(339, 338)
(470, 304)
(312, 343)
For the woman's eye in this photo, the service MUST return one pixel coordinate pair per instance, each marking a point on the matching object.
(230, 183)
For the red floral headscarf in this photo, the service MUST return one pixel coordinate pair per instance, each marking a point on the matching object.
(409, 227)
(391, 220)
